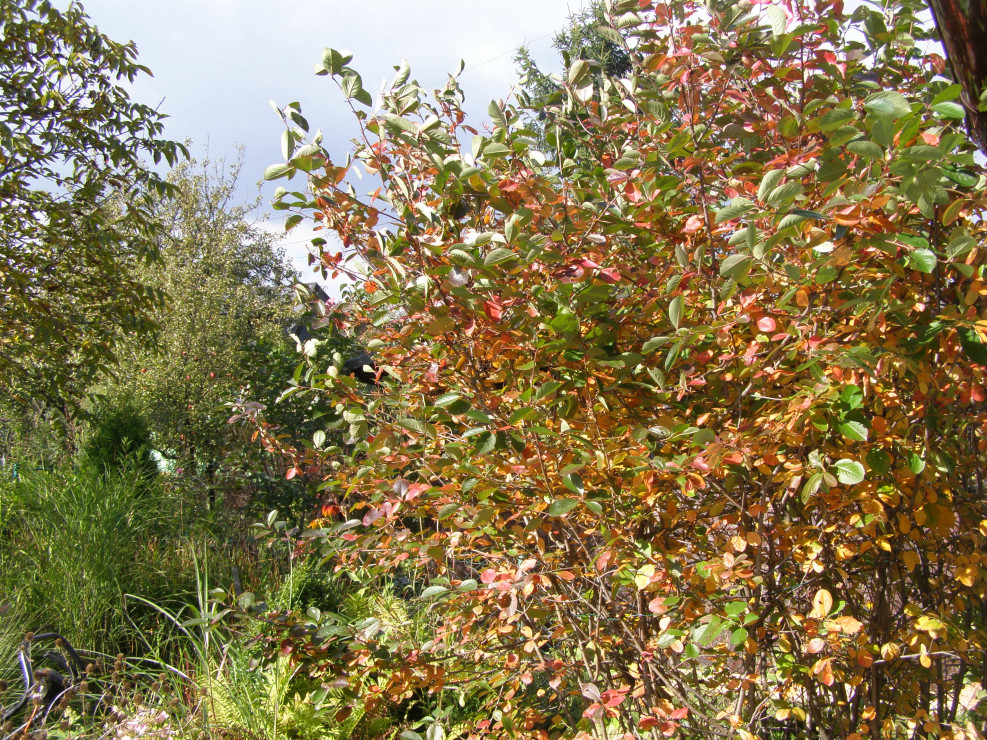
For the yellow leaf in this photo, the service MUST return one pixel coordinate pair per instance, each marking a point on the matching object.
(822, 604)
(967, 574)
(911, 559)
(931, 625)
(904, 524)
(970, 696)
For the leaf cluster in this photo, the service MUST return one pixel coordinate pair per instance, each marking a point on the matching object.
(75, 208)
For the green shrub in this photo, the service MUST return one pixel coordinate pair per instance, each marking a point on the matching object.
(119, 437)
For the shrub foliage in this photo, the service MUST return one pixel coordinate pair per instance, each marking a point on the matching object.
(682, 426)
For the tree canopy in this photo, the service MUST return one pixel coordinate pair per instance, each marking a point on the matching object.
(222, 331)
(75, 199)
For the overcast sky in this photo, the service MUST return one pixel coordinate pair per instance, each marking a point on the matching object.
(217, 63)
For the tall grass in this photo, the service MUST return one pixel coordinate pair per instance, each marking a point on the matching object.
(72, 543)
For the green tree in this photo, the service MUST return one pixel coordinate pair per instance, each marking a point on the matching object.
(76, 216)
(590, 36)
(222, 332)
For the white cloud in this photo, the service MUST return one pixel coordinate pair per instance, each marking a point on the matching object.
(297, 245)
(218, 62)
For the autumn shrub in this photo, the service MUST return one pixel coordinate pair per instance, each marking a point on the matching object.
(680, 424)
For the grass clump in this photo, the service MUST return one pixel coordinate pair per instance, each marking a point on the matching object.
(73, 542)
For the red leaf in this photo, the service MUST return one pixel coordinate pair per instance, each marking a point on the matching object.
(493, 310)
(766, 324)
(657, 605)
(370, 517)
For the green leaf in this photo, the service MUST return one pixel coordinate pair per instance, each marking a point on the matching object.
(432, 591)
(974, 348)
(849, 472)
(547, 388)
(497, 114)
(735, 264)
(287, 144)
(923, 260)
(675, 311)
(709, 631)
(333, 61)
(954, 111)
(610, 35)
(915, 463)
(738, 637)
(784, 193)
(446, 399)
(352, 86)
(854, 430)
(769, 182)
(412, 425)
(735, 608)
(494, 149)
(498, 256)
(788, 127)
(654, 343)
(486, 442)
(397, 124)
(735, 209)
(888, 103)
(565, 323)
(574, 483)
(562, 506)
(776, 18)
(578, 70)
(922, 153)
(809, 214)
(867, 149)
(447, 511)
(879, 461)
(277, 171)
(852, 397)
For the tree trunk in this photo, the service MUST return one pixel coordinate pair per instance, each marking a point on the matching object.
(962, 26)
